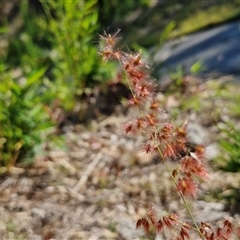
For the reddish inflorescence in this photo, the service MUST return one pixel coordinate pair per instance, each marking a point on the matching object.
(168, 222)
(220, 233)
(163, 137)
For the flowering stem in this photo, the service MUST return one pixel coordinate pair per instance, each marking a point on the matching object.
(181, 195)
(190, 213)
(166, 166)
(164, 137)
(169, 171)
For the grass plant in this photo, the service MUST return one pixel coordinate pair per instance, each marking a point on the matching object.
(167, 140)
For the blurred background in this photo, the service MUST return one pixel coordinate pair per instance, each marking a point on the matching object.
(59, 104)
(49, 59)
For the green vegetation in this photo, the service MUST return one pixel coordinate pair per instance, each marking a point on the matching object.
(229, 159)
(72, 29)
(48, 64)
(62, 39)
(182, 17)
(23, 116)
(205, 15)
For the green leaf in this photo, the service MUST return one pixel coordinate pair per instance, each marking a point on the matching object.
(197, 67)
(4, 29)
(35, 76)
(166, 32)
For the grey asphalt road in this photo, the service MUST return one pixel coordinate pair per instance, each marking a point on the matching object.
(218, 49)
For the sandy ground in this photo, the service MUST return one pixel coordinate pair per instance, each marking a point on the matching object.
(97, 188)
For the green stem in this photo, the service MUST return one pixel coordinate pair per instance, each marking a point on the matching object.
(181, 195)
(190, 213)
